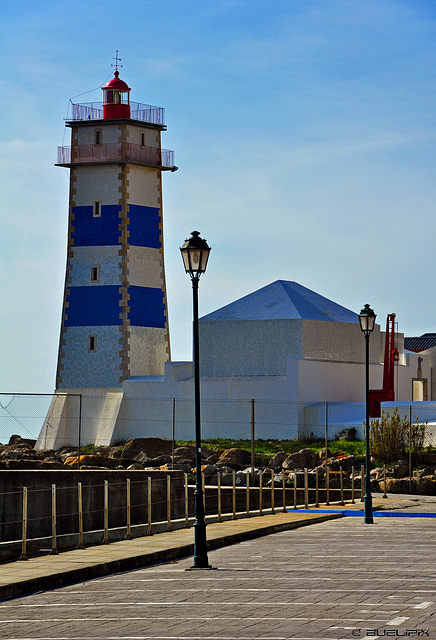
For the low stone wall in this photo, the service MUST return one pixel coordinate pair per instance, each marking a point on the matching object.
(39, 505)
(39, 486)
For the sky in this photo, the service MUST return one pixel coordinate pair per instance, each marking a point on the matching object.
(304, 133)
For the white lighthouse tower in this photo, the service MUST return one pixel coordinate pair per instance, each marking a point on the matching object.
(115, 318)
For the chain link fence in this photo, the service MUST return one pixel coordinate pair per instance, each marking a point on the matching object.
(61, 420)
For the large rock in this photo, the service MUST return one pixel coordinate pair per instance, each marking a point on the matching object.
(304, 459)
(23, 464)
(51, 464)
(184, 455)
(235, 458)
(401, 469)
(150, 447)
(277, 461)
(345, 463)
(426, 486)
(177, 466)
(209, 455)
(153, 462)
(100, 462)
(321, 454)
(397, 485)
(18, 440)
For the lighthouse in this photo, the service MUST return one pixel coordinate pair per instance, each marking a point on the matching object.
(115, 315)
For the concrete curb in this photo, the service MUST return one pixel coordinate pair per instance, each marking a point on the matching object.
(56, 579)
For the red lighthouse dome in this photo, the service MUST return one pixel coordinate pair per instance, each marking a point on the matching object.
(116, 98)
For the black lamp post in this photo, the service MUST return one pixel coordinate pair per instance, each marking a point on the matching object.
(367, 322)
(195, 253)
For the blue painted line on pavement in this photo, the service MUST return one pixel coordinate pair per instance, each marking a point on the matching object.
(378, 514)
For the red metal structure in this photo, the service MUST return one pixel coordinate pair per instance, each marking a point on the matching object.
(387, 393)
(116, 98)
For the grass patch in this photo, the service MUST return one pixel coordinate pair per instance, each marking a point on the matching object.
(268, 448)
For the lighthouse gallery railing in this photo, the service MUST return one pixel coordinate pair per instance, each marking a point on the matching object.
(138, 111)
(116, 152)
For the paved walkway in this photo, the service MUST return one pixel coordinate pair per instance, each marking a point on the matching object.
(50, 571)
(337, 579)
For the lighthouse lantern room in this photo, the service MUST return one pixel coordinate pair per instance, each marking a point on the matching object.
(116, 98)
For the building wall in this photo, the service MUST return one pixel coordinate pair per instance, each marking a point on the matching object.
(248, 347)
(321, 381)
(338, 342)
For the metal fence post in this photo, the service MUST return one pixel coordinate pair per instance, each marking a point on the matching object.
(80, 505)
(128, 535)
(168, 502)
(362, 483)
(248, 494)
(327, 485)
(385, 495)
(352, 485)
(253, 434)
(260, 492)
(284, 491)
(54, 547)
(106, 512)
(326, 425)
(24, 528)
(410, 449)
(149, 505)
(186, 501)
(272, 492)
(295, 489)
(220, 519)
(306, 489)
(80, 430)
(234, 494)
(341, 481)
(316, 489)
(173, 439)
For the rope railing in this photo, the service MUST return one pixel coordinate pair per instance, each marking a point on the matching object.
(118, 521)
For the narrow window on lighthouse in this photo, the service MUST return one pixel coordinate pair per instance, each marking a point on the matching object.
(97, 137)
(95, 273)
(92, 344)
(97, 209)
(142, 139)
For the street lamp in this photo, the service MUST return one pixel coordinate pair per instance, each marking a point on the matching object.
(367, 322)
(195, 253)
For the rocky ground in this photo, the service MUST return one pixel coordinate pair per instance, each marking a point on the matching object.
(155, 453)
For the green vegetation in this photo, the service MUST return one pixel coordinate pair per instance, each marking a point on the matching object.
(268, 448)
(392, 437)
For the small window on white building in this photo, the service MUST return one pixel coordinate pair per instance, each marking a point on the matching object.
(97, 137)
(97, 209)
(92, 344)
(95, 273)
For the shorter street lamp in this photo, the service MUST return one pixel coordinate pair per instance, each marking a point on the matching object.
(367, 322)
(195, 254)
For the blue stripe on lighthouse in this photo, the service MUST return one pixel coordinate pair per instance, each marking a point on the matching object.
(92, 231)
(147, 307)
(93, 306)
(144, 226)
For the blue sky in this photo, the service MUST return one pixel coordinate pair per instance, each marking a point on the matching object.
(305, 138)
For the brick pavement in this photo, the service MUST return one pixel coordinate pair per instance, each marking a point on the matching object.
(333, 580)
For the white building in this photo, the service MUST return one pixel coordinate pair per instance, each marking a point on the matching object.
(284, 346)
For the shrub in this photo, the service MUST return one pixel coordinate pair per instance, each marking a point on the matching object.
(391, 436)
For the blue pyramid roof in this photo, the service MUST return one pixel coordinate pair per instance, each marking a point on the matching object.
(283, 300)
